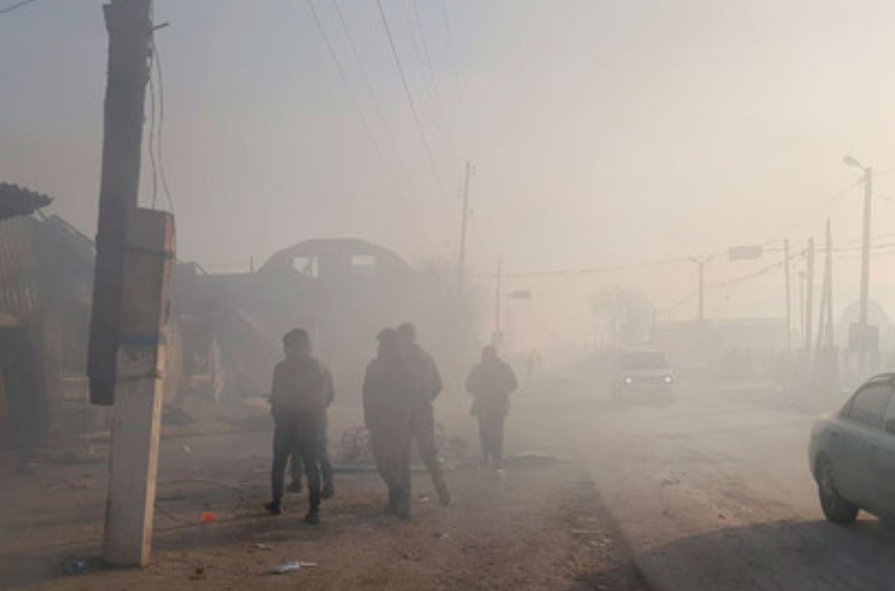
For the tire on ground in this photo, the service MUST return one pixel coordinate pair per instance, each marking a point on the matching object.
(836, 508)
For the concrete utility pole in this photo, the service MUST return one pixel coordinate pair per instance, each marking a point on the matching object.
(461, 266)
(130, 36)
(135, 253)
(700, 306)
(139, 393)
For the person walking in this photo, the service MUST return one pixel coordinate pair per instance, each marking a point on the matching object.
(388, 394)
(422, 422)
(490, 383)
(302, 390)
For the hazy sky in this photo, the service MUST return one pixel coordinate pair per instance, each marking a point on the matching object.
(602, 132)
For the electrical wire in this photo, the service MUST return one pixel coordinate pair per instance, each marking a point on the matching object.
(451, 53)
(16, 6)
(826, 205)
(416, 116)
(601, 270)
(157, 60)
(152, 126)
(416, 24)
(363, 118)
(369, 85)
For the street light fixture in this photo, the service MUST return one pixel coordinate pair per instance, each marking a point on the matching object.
(852, 161)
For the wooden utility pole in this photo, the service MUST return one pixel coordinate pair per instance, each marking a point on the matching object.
(786, 273)
(497, 337)
(461, 271)
(826, 363)
(130, 36)
(809, 300)
(825, 319)
(867, 346)
(135, 252)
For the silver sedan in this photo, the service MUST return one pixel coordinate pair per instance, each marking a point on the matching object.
(852, 454)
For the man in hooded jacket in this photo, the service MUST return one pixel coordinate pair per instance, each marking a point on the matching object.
(423, 415)
(302, 390)
(390, 387)
(491, 382)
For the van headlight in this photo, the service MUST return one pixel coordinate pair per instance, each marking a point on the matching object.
(668, 379)
(629, 380)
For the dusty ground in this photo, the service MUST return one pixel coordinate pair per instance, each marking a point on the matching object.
(712, 493)
(715, 494)
(538, 527)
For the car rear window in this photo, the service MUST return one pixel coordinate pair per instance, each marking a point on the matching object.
(870, 403)
(644, 360)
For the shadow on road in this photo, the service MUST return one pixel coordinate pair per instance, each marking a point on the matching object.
(790, 555)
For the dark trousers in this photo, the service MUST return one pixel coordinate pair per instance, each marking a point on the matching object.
(326, 467)
(491, 432)
(423, 432)
(391, 450)
(296, 437)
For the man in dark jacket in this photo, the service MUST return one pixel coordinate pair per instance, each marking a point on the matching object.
(490, 384)
(389, 391)
(302, 390)
(423, 415)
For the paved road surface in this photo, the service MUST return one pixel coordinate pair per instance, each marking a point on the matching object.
(715, 494)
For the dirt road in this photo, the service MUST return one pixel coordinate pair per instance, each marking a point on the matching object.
(715, 494)
(710, 494)
(538, 527)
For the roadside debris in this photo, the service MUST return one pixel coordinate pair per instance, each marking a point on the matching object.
(531, 459)
(76, 567)
(291, 567)
(209, 517)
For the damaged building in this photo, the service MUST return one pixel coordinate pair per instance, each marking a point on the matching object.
(224, 334)
(343, 291)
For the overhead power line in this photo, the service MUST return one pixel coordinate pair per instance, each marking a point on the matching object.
(450, 45)
(360, 112)
(416, 116)
(369, 85)
(416, 23)
(824, 207)
(163, 173)
(16, 6)
(600, 270)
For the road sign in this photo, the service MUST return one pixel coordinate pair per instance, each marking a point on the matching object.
(746, 253)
